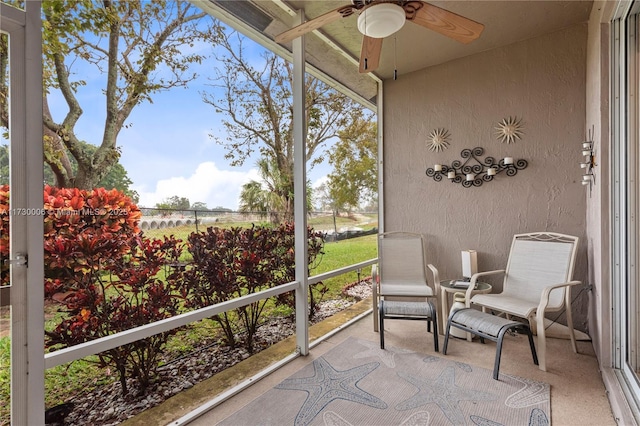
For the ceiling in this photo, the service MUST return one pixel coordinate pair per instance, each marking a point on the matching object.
(335, 47)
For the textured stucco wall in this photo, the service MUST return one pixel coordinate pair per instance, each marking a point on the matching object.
(540, 80)
(597, 116)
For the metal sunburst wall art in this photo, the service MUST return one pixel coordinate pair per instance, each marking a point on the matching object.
(438, 140)
(509, 130)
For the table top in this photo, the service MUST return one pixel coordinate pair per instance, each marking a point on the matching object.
(480, 286)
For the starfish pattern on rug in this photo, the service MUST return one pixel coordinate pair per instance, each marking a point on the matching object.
(431, 358)
(531, 393)
(421, 418)
(331, 418)
(443, 392)
(464, 366)
(328, 384)
(481, 421)
(387, 356)
(536, 418)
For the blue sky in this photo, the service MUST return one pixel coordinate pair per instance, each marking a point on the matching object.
(166, 147)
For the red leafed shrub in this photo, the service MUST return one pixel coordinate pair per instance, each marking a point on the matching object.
(82, 230)
(80, 227)
(126, 292)
(107, 276)
(230, 263)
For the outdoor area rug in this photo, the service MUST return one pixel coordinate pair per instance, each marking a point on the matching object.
(357, 383)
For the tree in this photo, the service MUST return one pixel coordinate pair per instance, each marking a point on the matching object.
(270, 196)
(174, 203)
(322, 198)
(254, 198)
(200, 206)
(116, 178)
(129, 42)
(354, 158)
(257, 103)
(221, 209)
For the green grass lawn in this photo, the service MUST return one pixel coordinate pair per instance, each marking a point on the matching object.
(344, 253)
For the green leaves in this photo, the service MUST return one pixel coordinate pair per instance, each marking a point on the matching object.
(174, 203)
(355, 161)
(229, 263)
(108, 277)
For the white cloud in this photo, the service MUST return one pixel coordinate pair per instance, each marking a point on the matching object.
(217, 188)
(320, 181)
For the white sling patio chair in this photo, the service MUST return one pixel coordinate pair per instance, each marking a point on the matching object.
(537, 281)
(400, 276)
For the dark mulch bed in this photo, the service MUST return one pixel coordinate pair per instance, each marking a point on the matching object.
(106, 405)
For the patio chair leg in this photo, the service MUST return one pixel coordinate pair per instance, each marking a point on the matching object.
(446, 337)
(542, 343)
(531, 344)
(434, 317)
(381, 316)
(375, 314)
(496, 364)
(570, 326)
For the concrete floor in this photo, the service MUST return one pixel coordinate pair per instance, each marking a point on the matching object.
(577, 392)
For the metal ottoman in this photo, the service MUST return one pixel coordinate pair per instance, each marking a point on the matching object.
(487, 326)
(424, 311)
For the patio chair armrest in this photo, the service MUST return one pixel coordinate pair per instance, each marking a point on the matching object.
(436, 278)
(374, 282)
(544, 297)
(477, 275)
(474, 280)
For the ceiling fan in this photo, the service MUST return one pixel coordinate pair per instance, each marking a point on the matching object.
(380, 18)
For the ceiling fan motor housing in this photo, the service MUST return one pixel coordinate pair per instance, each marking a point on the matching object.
(381, 20)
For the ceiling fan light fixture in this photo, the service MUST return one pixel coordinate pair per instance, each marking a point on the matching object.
(381, 20)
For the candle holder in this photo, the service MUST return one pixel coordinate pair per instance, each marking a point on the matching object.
(474, 171)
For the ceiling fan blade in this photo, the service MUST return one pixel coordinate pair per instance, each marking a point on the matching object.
(447, 23)
(370, 54)
(314, 24)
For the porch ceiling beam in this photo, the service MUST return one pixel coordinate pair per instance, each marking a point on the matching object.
(12, 14)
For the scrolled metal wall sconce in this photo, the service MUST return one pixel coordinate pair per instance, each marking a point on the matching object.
(475, 174)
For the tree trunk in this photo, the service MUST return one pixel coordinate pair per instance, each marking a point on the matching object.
(55, 153)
